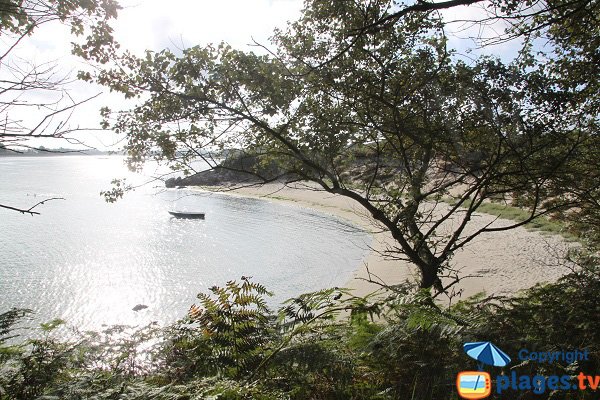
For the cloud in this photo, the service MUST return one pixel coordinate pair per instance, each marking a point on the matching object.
(154, 25)
(149, 25)
(466, 27)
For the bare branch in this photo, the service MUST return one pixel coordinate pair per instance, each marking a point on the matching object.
(30, 209)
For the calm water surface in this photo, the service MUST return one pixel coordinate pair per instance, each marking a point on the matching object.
(90, 262)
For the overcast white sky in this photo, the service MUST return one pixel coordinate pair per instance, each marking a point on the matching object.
(154, 24)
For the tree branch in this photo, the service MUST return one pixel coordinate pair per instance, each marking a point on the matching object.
(30, 209)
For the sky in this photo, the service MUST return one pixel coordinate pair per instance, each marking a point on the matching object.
(146, 24)
(141, 25)
(176, 24)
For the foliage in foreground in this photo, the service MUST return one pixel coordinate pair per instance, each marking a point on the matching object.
(317, 346)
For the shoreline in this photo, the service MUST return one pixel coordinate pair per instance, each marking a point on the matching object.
(498, 263)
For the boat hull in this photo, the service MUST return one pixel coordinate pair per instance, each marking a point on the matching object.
(187, 215)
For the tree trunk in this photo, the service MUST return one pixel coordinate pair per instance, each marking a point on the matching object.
(429, 277)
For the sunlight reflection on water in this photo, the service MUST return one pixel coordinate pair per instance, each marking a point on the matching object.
(90, 262)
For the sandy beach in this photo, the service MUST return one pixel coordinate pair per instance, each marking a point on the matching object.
(497, 263)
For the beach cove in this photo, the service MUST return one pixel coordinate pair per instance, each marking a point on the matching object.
(499, 263)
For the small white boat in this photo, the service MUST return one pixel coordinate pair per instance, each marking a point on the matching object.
(187, 214)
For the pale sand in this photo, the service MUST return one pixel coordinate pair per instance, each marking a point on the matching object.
(497, 263)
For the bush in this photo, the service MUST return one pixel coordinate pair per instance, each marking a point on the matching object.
(322, 345)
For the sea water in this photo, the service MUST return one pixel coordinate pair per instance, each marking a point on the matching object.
(90, 262)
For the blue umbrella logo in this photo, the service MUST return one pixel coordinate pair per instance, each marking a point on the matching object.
(486, 353)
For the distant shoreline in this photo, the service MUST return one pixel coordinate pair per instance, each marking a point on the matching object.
(501, 263)
(59, 153)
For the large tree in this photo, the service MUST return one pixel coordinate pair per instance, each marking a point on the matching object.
(379, 112)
